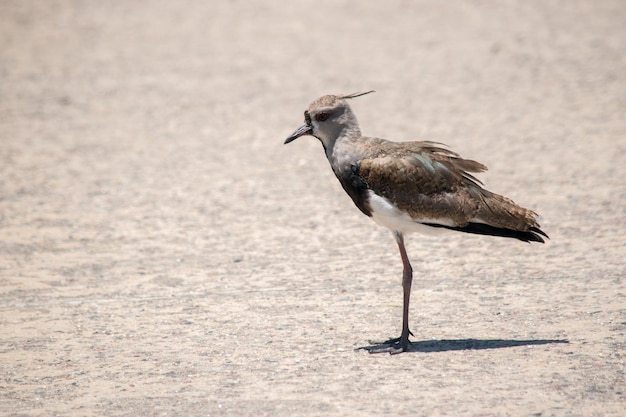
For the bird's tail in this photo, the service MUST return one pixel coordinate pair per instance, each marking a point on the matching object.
(533, 234)
(500, 216)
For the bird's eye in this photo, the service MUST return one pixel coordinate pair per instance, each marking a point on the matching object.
(321, 117)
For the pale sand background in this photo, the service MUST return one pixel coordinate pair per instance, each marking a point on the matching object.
(162, 253)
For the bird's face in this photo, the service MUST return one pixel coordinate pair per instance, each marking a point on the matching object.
(329, 118)
(326, 119)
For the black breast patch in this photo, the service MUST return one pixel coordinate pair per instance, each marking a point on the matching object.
(356, 188)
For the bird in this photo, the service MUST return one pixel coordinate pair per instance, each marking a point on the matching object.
(415, 186)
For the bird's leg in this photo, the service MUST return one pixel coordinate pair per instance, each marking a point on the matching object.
(400, 344)
(407, 280)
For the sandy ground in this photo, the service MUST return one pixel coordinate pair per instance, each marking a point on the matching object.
(162, 253)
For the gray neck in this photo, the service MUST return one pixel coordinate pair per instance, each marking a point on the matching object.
(349, 134)
(344, 130)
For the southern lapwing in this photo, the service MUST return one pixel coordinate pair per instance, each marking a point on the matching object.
(410, 187)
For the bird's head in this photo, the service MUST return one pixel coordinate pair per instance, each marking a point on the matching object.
(328, 118)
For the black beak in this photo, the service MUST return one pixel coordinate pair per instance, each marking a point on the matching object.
(305, 129)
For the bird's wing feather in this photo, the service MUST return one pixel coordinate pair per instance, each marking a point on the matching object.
(430, 182)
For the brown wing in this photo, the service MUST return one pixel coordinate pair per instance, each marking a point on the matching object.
(432, 183)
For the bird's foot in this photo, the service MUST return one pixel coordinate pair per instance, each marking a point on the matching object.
(391, 346)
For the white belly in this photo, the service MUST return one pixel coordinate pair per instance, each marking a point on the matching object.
(386, 214)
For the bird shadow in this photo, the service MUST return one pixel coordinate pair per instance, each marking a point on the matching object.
(445, 345)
